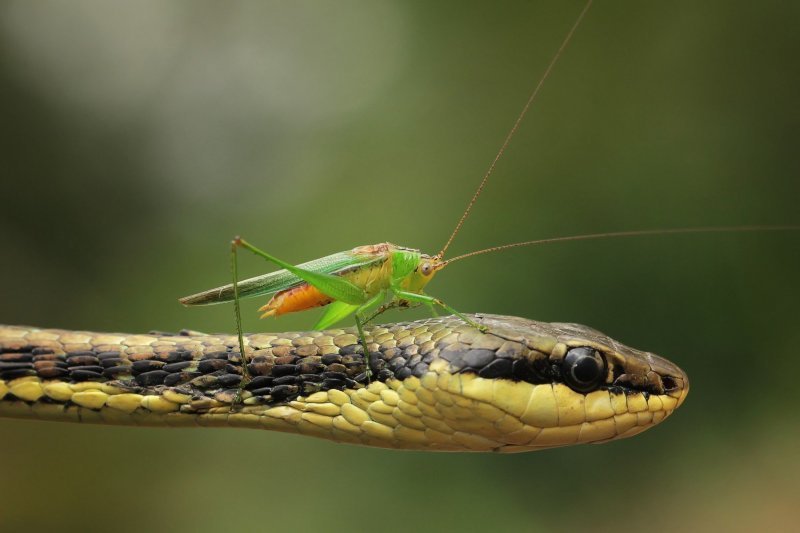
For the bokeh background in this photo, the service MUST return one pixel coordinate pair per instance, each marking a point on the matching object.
(137, 138)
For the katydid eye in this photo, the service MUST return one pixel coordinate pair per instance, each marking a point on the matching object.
(426, 269)
(583, 369)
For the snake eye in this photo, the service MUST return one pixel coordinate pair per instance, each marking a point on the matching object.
(583, 369)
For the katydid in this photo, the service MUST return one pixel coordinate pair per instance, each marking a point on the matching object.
(386, 275)
(353, 282)
(347, 283)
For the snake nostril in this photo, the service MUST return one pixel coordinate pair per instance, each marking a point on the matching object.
(669, 383)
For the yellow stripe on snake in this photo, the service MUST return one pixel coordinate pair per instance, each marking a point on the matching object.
(435, 384)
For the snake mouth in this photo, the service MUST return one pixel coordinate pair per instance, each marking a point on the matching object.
(604, 415)
(517, 416)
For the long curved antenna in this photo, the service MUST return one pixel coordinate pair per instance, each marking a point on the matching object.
(515, 127)
(635, 233)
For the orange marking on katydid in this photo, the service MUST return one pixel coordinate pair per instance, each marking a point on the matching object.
(296, 299)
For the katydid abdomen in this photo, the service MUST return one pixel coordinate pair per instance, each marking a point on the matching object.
(296, 299)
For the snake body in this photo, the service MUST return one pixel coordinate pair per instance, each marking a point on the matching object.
(434, 384)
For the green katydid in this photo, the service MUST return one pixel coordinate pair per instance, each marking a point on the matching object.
(356, 281)
(347, 283)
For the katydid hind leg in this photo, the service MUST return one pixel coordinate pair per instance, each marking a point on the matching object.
(237, 311)
(333, 286)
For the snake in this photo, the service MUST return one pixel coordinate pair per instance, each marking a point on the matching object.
(435, 384)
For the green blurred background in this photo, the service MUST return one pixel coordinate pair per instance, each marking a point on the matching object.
(139, 137)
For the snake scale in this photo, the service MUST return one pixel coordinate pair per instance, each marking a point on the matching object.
(434, 384)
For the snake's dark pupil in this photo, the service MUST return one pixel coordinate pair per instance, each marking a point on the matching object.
(585, 369)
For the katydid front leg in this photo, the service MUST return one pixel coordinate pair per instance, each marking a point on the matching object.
(336, 287)
(394, 304)
(431, 301)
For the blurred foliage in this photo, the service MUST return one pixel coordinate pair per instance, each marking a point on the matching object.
(138, 137)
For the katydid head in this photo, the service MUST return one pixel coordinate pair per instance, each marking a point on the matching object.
(422, 272)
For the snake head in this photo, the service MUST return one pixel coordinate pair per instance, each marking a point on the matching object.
(552, 384)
